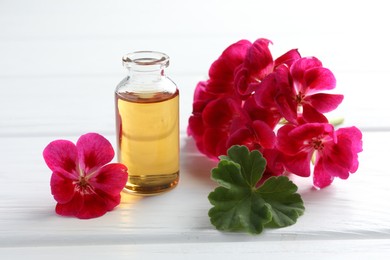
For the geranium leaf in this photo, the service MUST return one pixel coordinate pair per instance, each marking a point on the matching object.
(238, 205)
(228, 174)
(285, 204)
(252, 163)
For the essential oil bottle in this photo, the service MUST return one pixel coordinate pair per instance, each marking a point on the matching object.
(147, 124)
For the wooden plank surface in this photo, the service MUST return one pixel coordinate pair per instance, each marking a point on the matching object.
(60, 63)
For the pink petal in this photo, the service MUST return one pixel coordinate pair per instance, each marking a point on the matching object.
(237, 51)
(298, 164)
(321, 178)
(319, 79)
(72, 207)
(287, 107)
(221, 86)
(300, 66)
(269, 115)
(311, 115)
(232, 57)
(110, 179)
(333, 167)
(354, 135)
(195, 126)
(266, 92)
(264, 134)
(324, 103)
(61, 157)
(214, 142)
(310, 130)
(288, 58)
(259, 59)
(257, 65)
(62, 189)
(338, 158)
(93, 206)
(285, 143)
(94, 151)
(220, 112)
(242, 81)
(202, 97)
(275, 166)
(277, 82)
(196, 129)
(221, 72)
(110, 201)
(242, 136)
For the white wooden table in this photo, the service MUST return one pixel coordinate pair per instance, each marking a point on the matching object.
(60, 63)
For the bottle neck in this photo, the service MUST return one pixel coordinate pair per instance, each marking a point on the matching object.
(146, 74)
(146, 66)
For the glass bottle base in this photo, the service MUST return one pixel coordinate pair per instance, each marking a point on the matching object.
(148, 185)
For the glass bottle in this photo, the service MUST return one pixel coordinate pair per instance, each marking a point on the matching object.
(147, 123)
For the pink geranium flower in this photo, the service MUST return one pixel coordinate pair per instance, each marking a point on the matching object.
(296, 91)
(82, 182)
(335, 153)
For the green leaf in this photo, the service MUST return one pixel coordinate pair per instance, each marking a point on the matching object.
(239, 206)
(252, 163)
(236, 206)
(285, 204)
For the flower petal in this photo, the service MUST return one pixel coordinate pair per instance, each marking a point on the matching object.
(257, 65)
(94, 151)
(275, 166)
(319, 79)
(243, 136)
(288, 58)
(111, 201)
(356, 145)
(300, 66)
(214, 142)
(259, 59)
(231, 57)
(269, 115)
(298, 164)
(275, 83)
(195, 126)
(287, 108)
(72, 207)
(62, 189)
(310, 130)
(324, 103)
(264, 134)
(110, 179)
(220, 112)
(201, 97)
(311, 115)
(93, 206)
(221, 72)
(285, 143)
(321, 177)
(61, 157)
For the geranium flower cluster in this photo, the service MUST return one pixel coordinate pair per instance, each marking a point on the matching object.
(248, 95)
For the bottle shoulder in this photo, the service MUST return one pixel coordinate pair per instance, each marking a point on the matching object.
(146, 97)
(164, 84)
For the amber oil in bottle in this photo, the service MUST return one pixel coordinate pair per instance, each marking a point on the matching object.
(147, 119)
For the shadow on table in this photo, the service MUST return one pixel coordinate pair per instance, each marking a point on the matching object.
(194, 164)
